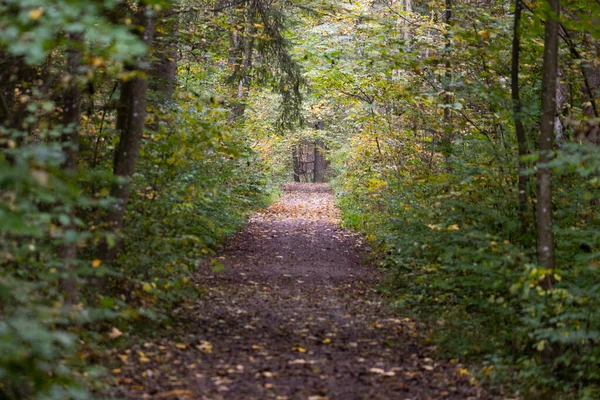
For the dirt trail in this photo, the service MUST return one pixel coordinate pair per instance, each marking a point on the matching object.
(294, 315)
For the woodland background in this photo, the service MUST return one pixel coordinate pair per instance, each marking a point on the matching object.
(460, 136)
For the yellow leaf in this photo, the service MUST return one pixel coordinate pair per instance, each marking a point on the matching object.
(116, 371)
(327, 340)
(180, 346)
(147, 287)
(488, 370)
(205, 347)
(144, 359)
(96, 263)
(97, 61)
(463, 371)
(36, 13)
(299, 349)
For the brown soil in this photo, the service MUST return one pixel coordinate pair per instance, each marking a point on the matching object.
(294, 315)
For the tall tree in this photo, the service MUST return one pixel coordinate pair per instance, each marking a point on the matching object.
(517, 115)
(163, 71)
(131, 120)
(70, 140)
(320, 161)
(546, 144)
(245, 64)
(447, 121)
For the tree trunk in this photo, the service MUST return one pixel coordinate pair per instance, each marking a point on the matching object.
(408, 10)
(319, 157)
(517, 115)
(447, 119)
(242, 89)
(544, 189)
(320, 162)
(70, 140)
(296, 163)
(131, 119)
(163, 71)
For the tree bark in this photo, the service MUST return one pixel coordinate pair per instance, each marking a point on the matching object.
(544, 175)
(319, 157)
(163, 71)
(320, 162)
(296, 163)
(447, 119)
(70, 141)
(517, 115)
(131, 120)
(407, 10)
(246, 63)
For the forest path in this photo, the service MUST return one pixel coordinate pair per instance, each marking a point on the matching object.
(294, 315)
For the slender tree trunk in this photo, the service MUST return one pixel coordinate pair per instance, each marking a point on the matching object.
(408, 10)
(131, 119)
(447, 120)
(544, 189)
(296, 163)
(163, 71)
(517, 110)
(246, 64)
(319, 157)
(70, 140)
(320, 162)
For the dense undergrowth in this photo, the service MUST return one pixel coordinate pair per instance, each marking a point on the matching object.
(421, 123)
(177, 217)
(456, 257)
(64, 299)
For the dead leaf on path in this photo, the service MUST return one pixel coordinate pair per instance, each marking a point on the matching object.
(205, 347)
(174, 393)
(299, 349)
(381, 371)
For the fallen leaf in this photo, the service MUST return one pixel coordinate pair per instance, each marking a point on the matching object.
(205, 347)
(115, 333)
(381, 371)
